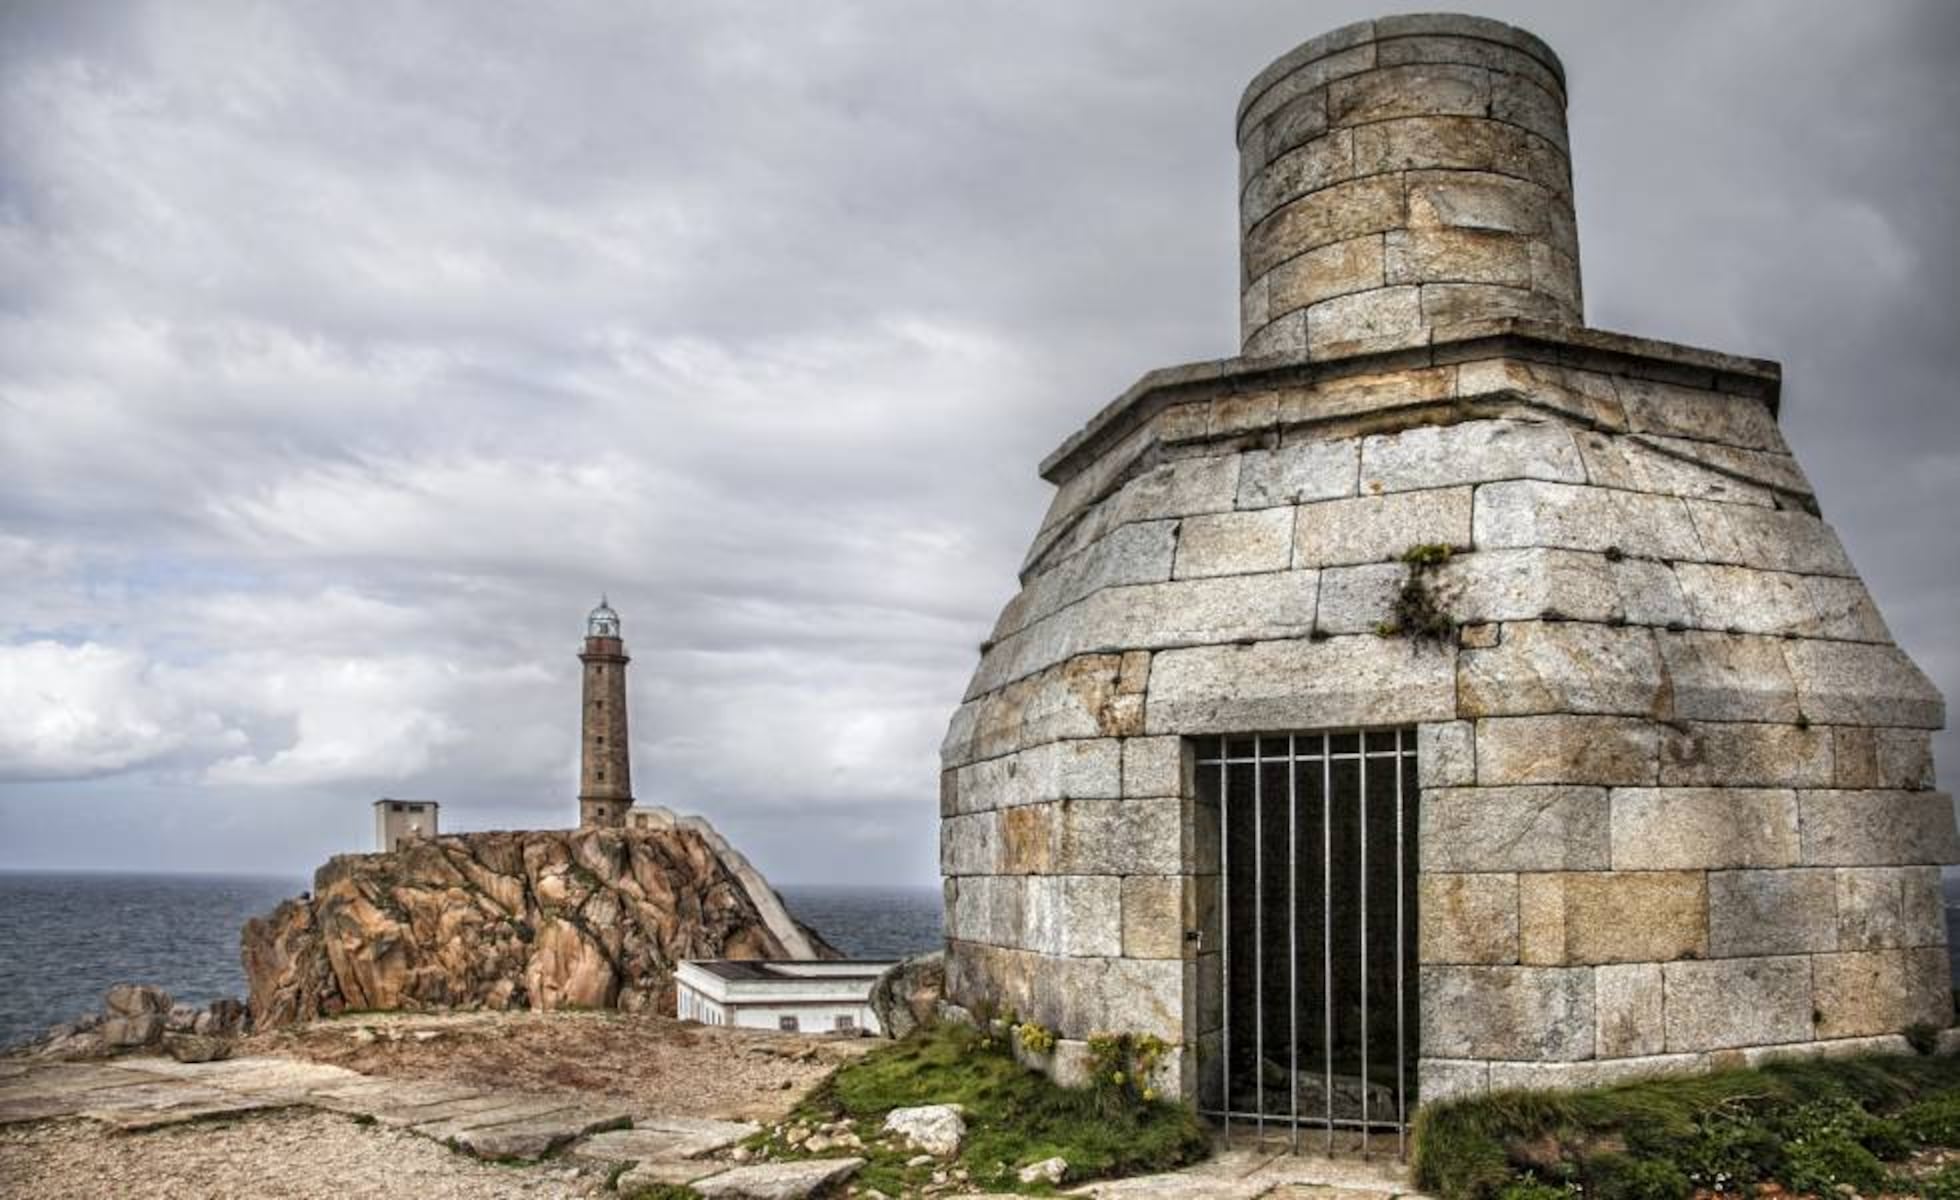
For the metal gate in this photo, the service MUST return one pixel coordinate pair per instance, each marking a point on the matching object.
(1311, 943)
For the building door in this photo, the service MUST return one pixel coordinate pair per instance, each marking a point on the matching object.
(1310, 953)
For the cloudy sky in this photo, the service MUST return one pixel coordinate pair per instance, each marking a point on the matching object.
(348, 352)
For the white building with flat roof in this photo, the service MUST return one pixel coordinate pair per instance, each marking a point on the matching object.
(802, 996)
(398, 822)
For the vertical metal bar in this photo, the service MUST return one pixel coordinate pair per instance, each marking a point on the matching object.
(1327, 928)
(1293, 934)
(1225, 927)
(1361, 741)
(1259, 938)
(1401, 1050)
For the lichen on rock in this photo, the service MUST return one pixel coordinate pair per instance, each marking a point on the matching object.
(537, 919)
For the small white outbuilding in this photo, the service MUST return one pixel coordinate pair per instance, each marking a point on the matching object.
(791, 996)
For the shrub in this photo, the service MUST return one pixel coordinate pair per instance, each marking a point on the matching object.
(1615, 1176)
(1943, 1184)
(1035, 1039)
(1934, 1120)
(1819, 1166)
(1530, 1188)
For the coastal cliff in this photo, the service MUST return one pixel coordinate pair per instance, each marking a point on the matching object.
(539, 919)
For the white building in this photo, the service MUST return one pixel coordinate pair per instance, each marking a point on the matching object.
(397, 822)
(802, 996)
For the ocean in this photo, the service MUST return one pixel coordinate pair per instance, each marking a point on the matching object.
(68, 936)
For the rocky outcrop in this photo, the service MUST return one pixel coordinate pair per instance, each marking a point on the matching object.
(908, 995)
(541, 919)
(140, 1018)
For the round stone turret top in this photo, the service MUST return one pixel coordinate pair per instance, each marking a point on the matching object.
(1401, 174)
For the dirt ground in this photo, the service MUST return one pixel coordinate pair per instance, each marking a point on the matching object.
(656, 1065)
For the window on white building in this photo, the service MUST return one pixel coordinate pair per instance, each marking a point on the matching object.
(786, 1024)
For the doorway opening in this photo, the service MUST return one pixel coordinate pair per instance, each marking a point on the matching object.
(1310, 952)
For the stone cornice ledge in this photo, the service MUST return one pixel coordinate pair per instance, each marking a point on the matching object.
(1565, 345)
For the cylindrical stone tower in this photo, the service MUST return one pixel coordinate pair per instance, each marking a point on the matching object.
(1402, 174)
(605, 789)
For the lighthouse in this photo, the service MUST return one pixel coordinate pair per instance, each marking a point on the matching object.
(605, 790)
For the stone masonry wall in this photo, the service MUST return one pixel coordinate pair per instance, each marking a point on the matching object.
(1675, 804)
(1401, 174)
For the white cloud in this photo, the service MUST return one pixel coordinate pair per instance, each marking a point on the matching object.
(89, 710)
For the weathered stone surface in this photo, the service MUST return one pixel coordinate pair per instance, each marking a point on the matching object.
(1563, 667)
(1378, 319)
(1736, 1002)
(1153, 916)
(1695, 754)
(1153, 766)
(124, 1033)
(656, 1172)
(1086, 769)
(1472, 452)
(1440, 1079)
(1661, 829)
(1767, 539)
(935, 1129)
(1728, 677)
(1611, 916)
(1863, 757)
(1446, 754)
(1529, 585)
(1614, 461)
(1074, 915)
(1181, 613)
(1587, 395)
(1468, 200)
(1514, 829)
(1541, 1013)
(1305, 168)
(1235, 543)
(1462, 303)
(1084, 697)
(1332, 214)
(535, 1137)
(1456, 255)
(1408, 91)
(778, 1180)
(1299, 472)
(1359, 599)
(1675, 411)
(1628, 998)
(1338, 683)
(1778, 472)
(197, 1048)
(1757, 912)
(1470, 918)
(1325, 272)
(135, 1000)
(969, 845)
(481, 920)
(1888, 908)
(907, 996)
(1611, 751)
(1119, 837)
(1864, 828)
(1533, 512)
(1140, 552)
(1850, 683)
(1882, 991)
(1371, 529)
(1779, 604)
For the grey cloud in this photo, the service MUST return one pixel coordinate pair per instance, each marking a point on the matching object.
(347, 353)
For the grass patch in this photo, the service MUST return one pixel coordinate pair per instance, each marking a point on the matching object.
(1809, 1125)
(1014, 1117)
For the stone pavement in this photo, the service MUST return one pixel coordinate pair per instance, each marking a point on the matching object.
(134, 1094)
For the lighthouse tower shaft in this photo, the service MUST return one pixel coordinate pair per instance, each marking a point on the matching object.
(605, 767)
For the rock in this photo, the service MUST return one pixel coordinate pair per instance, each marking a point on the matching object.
(222, 1018)
(537, 919)
(907, 996)
(1048, 1170)
(936, 1129)
(180, 1019)
(195, 1048)
(122, 1033)
(135, 1000)
(778, 1181)
(919, 1160)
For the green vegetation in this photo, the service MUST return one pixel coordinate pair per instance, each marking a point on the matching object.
(658, 1191)
(1813, 1126)
(1418, 612)
(1014, 1116)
